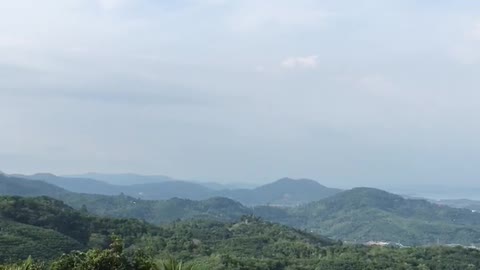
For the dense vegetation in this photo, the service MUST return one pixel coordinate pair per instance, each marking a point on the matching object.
(46, 228)
(355, 216)
(70, 229)
(364, 214)
(333, 258)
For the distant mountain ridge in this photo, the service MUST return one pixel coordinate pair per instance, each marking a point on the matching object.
(283, 192)
(358, 215)
(25, 187)
(124, 179)
(80, 185)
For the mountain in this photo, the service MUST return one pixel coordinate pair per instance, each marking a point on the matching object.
(159, 212)
(358, 215)
(283, 192)
(79, 185)
(150, 191)
(23, 187)
(18, 241)
(365, 214)
(45, 227)
(124, 178)
(169, 189)
(124, 206)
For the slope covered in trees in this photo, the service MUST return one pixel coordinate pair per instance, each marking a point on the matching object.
(365, 214)
(283, 192)
(358, 215)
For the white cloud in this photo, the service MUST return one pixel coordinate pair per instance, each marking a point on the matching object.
(305, 62)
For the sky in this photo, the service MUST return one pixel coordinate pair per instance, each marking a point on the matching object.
(350, 93)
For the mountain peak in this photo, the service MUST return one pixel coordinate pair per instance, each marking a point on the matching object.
(286, 181)
(365, 197)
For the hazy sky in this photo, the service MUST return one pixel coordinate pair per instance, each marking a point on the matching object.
(371, 92)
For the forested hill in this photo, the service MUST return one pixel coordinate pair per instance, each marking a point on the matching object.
(25, 187)
(358, 215)
(46, 228)
(123, 206)
(159, 212)
(364, 214)
(283, 192)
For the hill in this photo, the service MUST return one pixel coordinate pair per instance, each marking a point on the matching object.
(249, 243)
(283, 192)
(149, 191)
(80, 185)
(18, 241)
(24, 187)
(358, 215)
(46, 227)
(124, 206)
(159, 212)
(365, 214)
(168, 190)
(124, 179)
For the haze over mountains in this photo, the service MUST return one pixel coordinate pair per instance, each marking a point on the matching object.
(357, 215)
(284, 192)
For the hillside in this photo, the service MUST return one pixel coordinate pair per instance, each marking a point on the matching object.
(149, 191)
(159, 212)
(124, 179)
(79, 185)
(18, 241)
(124, 206)
(46, 227)
(365, 214)
(283, 192)
(249, 243)
(168, 190)
(358, 215)
(24, 187)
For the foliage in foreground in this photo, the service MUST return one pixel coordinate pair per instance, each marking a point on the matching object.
(331, 258)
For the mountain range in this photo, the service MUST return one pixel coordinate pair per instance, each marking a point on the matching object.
(357, 215)
(283, 192)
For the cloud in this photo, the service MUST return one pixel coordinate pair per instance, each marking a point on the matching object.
(303, 62)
